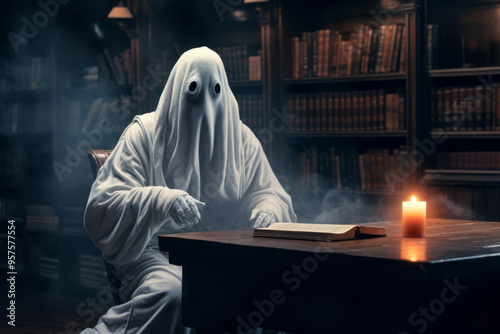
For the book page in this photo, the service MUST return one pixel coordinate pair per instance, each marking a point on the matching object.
(318, 228)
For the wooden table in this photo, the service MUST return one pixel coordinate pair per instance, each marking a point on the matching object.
(447, 282)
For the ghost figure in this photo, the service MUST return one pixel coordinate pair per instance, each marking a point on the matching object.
(191, 165)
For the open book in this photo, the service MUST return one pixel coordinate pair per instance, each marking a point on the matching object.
(320, 232)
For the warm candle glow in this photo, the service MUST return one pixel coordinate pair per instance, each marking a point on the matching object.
(413, 249)
(414, 213)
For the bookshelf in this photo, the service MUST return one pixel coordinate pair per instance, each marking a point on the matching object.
(463, 108)
(385, 130)
(97, 75)
(28, 195)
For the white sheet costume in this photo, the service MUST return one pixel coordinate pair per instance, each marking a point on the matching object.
(193, 144)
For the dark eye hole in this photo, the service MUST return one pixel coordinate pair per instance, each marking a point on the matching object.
(217, 88)
(192, 86)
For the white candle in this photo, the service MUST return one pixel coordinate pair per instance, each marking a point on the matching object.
(414, 218)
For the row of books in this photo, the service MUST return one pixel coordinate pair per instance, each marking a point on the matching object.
(48, 267)
(92, 272)
(26, 73)
(86, 77)
(9, 207)
(236, 61)
(343, 111)
(330, 168)
(469, 160)
(87, 116)
(255, 67)
(121, 65)
(379, 169)
(164, 64)
(18, 117)
(368, 49)
(466, 108)
(41, 218)
(250, 107)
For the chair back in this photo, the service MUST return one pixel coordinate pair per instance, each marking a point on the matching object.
(97, 158)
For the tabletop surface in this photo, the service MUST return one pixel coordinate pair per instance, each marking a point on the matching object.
(446, 240)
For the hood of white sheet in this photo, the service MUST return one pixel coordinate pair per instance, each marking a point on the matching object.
(197, 135)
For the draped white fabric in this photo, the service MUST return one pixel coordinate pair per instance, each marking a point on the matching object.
(194, 143)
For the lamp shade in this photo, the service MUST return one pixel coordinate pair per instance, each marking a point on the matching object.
(120, 12)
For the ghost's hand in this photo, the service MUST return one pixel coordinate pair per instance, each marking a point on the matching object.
(185, 211)
(262, 218)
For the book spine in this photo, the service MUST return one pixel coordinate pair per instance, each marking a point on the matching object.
(365, 56)
(336, 112)
(373, 51)
(448, 111)
(402, 108)
(321, 47)
(310, 54)
(357, 47)
(295, 57)
(348, 111)
(311, 118)
(368, 110)
(462, 106)
(355, 111)
(303, 108)
(387, 50)
(400, 42)
(488, 109)
(315, 54)
(380, 48)
(326, 52)
(330, 112)
(324, 112)
(380, 109)
(479, 119)
(388, 111)
(305, 51)
(317, 112)
(342, 109)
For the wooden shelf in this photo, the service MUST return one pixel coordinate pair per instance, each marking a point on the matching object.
(327, 134)
(461, 177)
(469, 134)
(464, 72)
(245, 83)
(352, 78)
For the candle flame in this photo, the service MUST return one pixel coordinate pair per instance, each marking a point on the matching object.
(413, 199)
